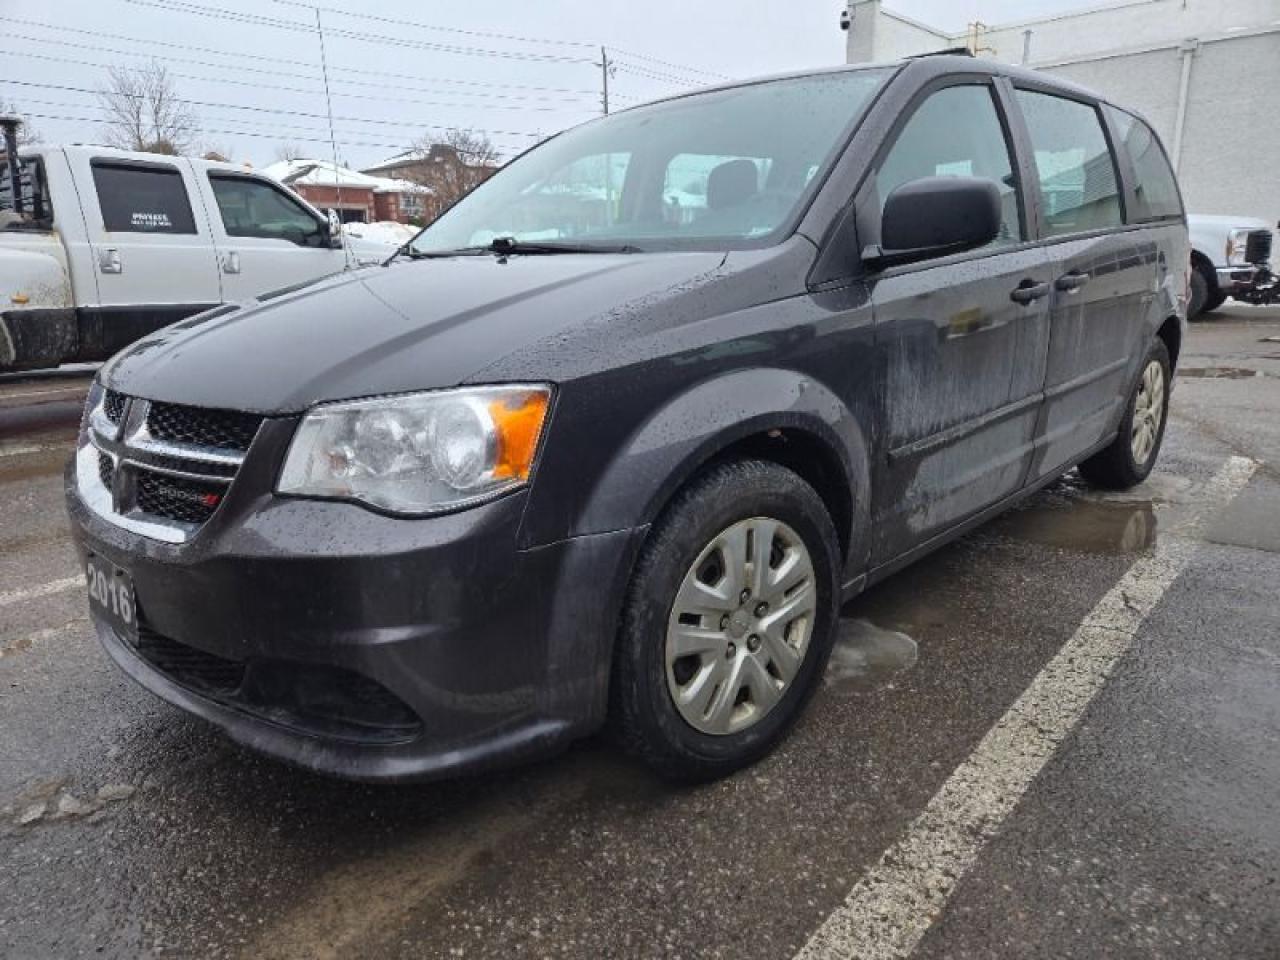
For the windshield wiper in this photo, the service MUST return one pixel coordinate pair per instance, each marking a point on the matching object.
(506, 245)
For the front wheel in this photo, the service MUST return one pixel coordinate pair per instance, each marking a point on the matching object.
(728, 623)
(1130, 457)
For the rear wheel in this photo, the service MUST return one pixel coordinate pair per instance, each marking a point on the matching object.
(1130, 457)
(728, 622)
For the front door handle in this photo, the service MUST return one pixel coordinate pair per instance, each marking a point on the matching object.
(1028, 290)
(1073, 281)
(231, 262)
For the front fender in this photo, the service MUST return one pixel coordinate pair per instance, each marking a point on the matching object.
(695, 426)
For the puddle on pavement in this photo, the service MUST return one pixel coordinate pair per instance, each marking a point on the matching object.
(865, 654)
(1087, 526)
(1220, 373)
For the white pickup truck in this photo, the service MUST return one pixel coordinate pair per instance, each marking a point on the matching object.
(1230, 257)
(99, 247)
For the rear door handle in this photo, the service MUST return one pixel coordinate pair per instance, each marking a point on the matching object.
(1073, 281)
(109, 261)
(1028, 291)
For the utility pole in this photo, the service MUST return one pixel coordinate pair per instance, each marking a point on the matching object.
(605, 68)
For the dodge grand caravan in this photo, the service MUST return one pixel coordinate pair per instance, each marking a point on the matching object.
(611, 441)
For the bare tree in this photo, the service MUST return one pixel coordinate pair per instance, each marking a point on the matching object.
(27, 134)
(453, 165)
(144, 111)
(289, 151)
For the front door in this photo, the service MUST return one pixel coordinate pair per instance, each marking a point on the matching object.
(1104, 277)
(962, 338)
(266, 239)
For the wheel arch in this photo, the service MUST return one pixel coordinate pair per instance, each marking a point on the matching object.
(1201, 263)
(771, 414)
(1171, 333)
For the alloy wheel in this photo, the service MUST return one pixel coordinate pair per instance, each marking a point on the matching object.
(1148, 413)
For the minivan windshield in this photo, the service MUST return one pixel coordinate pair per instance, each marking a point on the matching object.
(723, 169)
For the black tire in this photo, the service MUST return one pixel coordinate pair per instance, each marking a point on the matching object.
(1205, 295)
(643, 713)
(1115, 467)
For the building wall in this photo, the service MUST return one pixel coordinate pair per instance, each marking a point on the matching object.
(1132, 53)
(351, 199)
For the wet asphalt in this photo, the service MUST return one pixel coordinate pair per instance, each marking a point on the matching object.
(128, 829)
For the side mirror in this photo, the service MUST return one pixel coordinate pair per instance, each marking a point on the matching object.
(935, 216)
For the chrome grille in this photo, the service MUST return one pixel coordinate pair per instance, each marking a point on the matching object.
(160, 469)
(113, 406)
(220, 429)
(1257, 247)
(106, 469)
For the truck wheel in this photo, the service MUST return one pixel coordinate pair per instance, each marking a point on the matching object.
(1204, 291)
(728, 621)
(1130, 457)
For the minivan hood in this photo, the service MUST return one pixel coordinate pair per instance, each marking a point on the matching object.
(413, 325)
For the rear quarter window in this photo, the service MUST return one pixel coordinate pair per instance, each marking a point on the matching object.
(136, 199)
(1079, 189)
(1155, 188)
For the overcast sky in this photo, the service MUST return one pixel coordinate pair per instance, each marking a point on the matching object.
(251, 67)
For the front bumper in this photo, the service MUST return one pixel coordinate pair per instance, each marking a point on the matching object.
(1236, 280)
(499, 653)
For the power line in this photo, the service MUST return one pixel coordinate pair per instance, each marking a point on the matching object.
(282, 60)
(221, 105)
(380, 98)
(430, 26)
(666, 63)
(513, 149)
(219, 13)
(654, 75)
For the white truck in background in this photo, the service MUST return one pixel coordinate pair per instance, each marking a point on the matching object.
(1230, 257)
(99, 247)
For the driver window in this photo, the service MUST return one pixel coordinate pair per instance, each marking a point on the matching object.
(956, 132)
(250, 208)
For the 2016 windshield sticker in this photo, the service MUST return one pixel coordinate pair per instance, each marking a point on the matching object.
(150, 221)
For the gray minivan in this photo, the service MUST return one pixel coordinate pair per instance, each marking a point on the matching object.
(612, 440)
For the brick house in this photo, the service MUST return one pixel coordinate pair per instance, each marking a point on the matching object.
(354, 196)
(441, 170)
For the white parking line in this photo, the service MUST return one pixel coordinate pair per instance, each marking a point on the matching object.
(43, 590)
(19, 449)
(71, 391)
(893, 905)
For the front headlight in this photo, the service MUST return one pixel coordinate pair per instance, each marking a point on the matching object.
(418, 453)
(1237, 242)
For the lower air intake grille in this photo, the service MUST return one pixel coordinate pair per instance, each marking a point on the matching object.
(202, 672)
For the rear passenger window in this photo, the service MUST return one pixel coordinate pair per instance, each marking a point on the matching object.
(1078, 182)
(1155, 188)
(956, 132)
(136, 199)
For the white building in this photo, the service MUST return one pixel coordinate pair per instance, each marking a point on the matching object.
(1206, 73)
